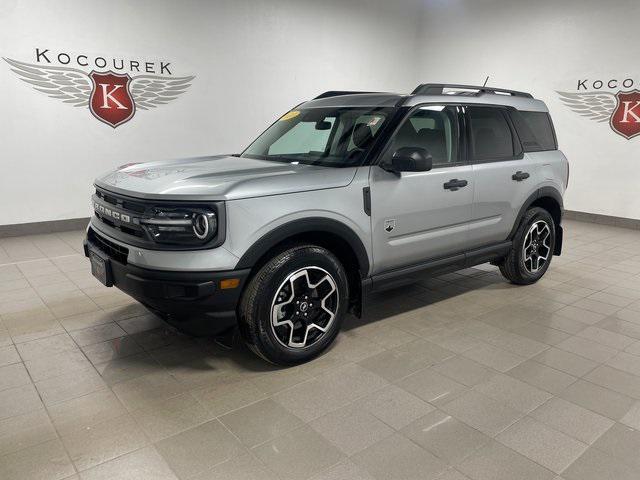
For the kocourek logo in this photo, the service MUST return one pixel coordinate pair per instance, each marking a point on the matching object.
(104, 85)
(621, 110)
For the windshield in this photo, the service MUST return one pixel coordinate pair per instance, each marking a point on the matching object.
(331, 137)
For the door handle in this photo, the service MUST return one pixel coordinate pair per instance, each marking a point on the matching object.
(454, 184)
(519, 176)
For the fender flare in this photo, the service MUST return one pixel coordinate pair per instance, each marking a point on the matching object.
(551, 192)
(306, 225)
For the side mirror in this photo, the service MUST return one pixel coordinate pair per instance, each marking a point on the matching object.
(412, 159)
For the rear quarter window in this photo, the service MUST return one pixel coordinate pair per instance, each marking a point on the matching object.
(535, 130)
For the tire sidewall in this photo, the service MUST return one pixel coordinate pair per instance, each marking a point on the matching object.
(295, 260)
(535, 215)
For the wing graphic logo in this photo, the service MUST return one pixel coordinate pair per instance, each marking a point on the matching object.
(112, 98)
(620, 110)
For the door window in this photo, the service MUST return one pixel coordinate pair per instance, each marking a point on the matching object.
(491, 137)
(434, 128)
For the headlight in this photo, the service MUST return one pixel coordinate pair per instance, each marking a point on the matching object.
(201, 222)
(178, 226)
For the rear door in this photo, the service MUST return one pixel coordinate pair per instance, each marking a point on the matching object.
(504, 175)
(418, 216)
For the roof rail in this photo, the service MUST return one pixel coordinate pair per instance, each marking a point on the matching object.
(438, 89)
(337, 93)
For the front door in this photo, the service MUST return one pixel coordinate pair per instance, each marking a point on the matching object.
(419, 216)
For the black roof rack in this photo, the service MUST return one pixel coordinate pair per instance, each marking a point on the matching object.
(438, 89)
(337, 93)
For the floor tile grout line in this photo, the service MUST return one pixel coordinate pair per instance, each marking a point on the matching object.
(528, 415)
(46, 304)
(33, 260)
(97, 373)
(508, 331)
(620, 459)
(251, 450)
(555, 397)
(46, 409)
(125, 409)
(535, 461)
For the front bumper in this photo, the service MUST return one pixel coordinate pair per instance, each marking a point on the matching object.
(191, 301)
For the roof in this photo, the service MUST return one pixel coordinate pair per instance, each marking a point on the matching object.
(431, 93)
(357, 100)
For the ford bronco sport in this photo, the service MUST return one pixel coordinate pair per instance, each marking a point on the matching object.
(349, 193)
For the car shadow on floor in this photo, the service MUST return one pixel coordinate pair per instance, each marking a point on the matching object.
(427, 295)
(165, 348)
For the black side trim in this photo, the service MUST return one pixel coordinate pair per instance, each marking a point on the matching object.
(313, 224)
(486, 254)
(412, 273)
(366, 199)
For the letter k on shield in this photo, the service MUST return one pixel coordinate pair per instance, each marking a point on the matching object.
(625, 119)
(111, 101)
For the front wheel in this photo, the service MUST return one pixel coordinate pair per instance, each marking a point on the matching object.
(532, 249)
(293, 307)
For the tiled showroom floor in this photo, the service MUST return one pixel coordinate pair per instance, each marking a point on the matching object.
(461, 376)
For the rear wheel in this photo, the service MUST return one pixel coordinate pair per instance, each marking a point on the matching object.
(532, 249)
(293, 307)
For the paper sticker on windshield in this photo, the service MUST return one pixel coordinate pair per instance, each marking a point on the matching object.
(290, 115)
(373, 121)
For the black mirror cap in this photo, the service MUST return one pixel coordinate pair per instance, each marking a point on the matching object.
(412, 159)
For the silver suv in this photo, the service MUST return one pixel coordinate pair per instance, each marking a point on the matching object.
(349, 193)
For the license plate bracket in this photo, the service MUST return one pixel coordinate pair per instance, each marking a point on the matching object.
(100, 266)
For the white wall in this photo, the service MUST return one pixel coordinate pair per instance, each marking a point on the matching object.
(543, 46)
(252, 61)
(255, 59)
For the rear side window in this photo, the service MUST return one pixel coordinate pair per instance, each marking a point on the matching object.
(491, 137)
(535, 130)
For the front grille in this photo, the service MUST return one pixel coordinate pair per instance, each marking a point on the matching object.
(123, 204)
(129, 231)
(119, 216)
(113, 250)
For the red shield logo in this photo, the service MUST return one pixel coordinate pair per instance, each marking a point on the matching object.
(111, 101)
(625, 119)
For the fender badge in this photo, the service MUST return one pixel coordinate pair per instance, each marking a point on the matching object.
(389, 225)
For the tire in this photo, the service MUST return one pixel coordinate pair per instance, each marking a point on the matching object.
(282, 295)
(516, 267)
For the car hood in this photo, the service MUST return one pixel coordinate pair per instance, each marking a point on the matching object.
(221, 178)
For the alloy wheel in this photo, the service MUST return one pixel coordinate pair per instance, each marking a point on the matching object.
(536, 248)
(304, 307)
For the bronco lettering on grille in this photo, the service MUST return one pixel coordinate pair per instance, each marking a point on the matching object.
(108, 212)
